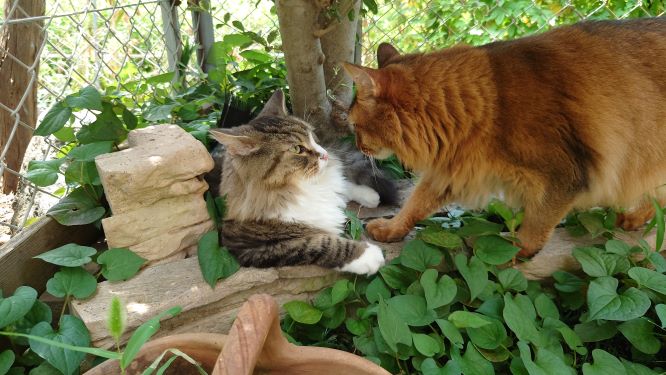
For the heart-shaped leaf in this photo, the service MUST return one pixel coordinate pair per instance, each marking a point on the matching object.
(466, 319)
(119, 264)
(17, 306)
(44, 173)
(451, 332)
(598, 263)
(54, 120)
(546, 362)
(475, 274)
(79, 207)
(418, 255)
(489, 336)
(440, 292)
(494, 249)
(512, 279)
(72, 281)
(70, 255)
(604, 364)
(425, 344)
(303, 312)
(545, 307)
(412, 310)
(472, 362)
(87, 98)
(519, 319)
(640, 333)
(392, 326)
(6, 361)
(377, 290)
(436, 236)
(649, 279)
(605, 303)
(72, 331)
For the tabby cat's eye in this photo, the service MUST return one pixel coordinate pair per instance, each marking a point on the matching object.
(298, 149)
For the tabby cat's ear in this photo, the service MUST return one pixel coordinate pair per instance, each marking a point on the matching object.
(237, 145)
(275, 106)
(362, 76)
(385, 52)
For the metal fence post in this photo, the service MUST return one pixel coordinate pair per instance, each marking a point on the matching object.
(202, 22)
(171, 28)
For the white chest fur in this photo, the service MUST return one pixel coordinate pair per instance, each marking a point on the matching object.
(320, 201)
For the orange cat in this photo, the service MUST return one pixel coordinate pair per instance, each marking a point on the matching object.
(571, 118)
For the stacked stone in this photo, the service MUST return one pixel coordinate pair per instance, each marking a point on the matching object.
(155, 190)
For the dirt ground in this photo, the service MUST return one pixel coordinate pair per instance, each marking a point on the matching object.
(6, 213)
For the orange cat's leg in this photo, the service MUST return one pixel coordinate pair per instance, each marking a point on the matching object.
(636, 218)
(540, 220)
(423, 201)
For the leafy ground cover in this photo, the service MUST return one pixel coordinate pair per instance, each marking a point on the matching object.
(438, 310)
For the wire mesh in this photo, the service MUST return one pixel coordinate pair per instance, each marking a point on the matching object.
(111, 44)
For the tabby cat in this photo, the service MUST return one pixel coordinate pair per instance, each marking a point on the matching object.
(286, 195)
(571, 118)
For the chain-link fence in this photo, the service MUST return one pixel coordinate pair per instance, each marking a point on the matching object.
(52, 48)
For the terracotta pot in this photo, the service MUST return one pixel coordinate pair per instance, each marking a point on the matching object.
(203, 347)
(254, 345)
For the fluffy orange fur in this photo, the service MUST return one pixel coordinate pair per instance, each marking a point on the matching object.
(571, 118)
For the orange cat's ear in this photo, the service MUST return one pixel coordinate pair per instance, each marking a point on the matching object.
(385, 52)
(275, 106)
(362, 76)
(237, 145)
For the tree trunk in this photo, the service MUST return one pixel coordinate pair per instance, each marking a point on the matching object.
(314, 46)
(20, 45)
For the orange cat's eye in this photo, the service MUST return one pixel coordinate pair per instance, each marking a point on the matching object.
(297, 149)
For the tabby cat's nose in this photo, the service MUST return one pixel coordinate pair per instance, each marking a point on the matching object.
(323, 156)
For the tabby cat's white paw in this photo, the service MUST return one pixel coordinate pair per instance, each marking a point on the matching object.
(364, 195)
(368, 263)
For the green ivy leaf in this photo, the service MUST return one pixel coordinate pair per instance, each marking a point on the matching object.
(512, 279)
(129, 119)
(90, 151)
(215, 262)
(107, 127)
(494, 249)
(618, 247)
(657, 261)
(54, 120)
(438, 237)
(303, 312)
(418, 255)
(70, 255)
(425, 344)
(604, 364)
(472, 362)
(489, 336)
(392, 327)
(412, 310)
(440, 292)
(236, 40)
(519, 320)
(44, 173)
(159, 112)
(475, 274)
(45, 369)
(637, 369)
(71, 331)
(546, 362)
(595, 331)
(6, 361)
(358, 327)
(451, 332)
(341, 290)
(640, 334)
(119, 264)
(567, 282)
(598, 263)
(649, 279)
(83, 173)
(605, 303)
(72, 281)
(661, 313)
(78, 208)
(40, 312)
(377, 290)
(355, 226)
(397, 277)
(86, 98)
(545, 307)
(466, 319)
(476, 226)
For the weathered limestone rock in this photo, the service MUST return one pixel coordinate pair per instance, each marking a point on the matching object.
(162, 161)
(156, 193)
